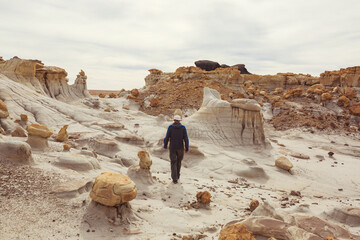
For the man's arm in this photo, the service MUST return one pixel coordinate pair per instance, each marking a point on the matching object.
(186, 139)
(167, 137)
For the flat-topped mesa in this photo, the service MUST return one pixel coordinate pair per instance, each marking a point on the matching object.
(47, 80)
(238, 123)
(345, 77)
(231, 77)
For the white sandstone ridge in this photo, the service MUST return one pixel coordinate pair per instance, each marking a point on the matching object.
(47, 80)
(239, 123)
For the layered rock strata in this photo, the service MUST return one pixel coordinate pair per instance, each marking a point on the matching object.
(344, 77)
(232, 77)
(239, 123)
(47, 80)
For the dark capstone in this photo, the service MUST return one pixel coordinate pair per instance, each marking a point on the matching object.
(207, 65)
(242, 68)
(224, 66)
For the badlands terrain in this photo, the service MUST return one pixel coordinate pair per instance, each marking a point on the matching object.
(271, 156)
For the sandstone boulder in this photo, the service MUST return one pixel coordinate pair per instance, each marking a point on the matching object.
(241, 68)
(283, 163)
(23, 117)
(135, 92)
(348, 92)
(39, 130)
(145, 161)
(62, 136)
(16, 151)
(66, 147)
(19, 132)
(4, 113)
(295, 92)
(326, 97)
(355, 109)
(113, 189)
(316, 89)
(236, 232)
(343, 101)
(203, 197)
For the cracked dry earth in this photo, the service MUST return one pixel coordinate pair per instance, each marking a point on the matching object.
(35, 212)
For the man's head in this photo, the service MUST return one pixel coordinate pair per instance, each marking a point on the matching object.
(177, 118)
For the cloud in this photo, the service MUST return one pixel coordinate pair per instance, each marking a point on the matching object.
(116, 42)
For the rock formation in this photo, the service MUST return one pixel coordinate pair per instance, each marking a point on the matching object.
(253, 205)
(4, 113)
(283, 163)
(145, 161)
(238, 123)
(77, 162)
(38, 135)
(62, 136)
(344, 77)
(19, 132)
(43, 79)
(111, 189)
(207, 65)
(16, 152)
(203, 197)
(236, 232)
(104, 146)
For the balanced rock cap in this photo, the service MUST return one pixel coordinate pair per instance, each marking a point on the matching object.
(177, 118)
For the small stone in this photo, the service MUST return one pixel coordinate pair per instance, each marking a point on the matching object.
(203, 197)
(330, 154)
(24, 117)
(253, 205)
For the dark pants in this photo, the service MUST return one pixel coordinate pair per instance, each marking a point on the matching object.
(176, 155)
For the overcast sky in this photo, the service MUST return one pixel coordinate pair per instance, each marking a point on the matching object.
(115, 41)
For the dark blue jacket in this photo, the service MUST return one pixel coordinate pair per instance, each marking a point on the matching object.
(177, 135)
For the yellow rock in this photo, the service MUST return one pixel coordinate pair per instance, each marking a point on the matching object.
(326, 97)
(145, 161)
(3, 110)
(62, 135)
(236, 232)
(39, 130)
(66, 147)
(203, 197)
(24, 117)
(113, 189)
(284, 163)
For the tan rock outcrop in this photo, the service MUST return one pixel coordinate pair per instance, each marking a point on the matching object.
(39, 130)
(145, 161)
(203, 197)
(344, 77)
(236, 232)
(4, 113)
(46, 80)
(283, 163)
(113, 189)
(19, 132)
(348, 92)
(62, 136)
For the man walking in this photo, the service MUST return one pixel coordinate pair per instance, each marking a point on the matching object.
(177, 135)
